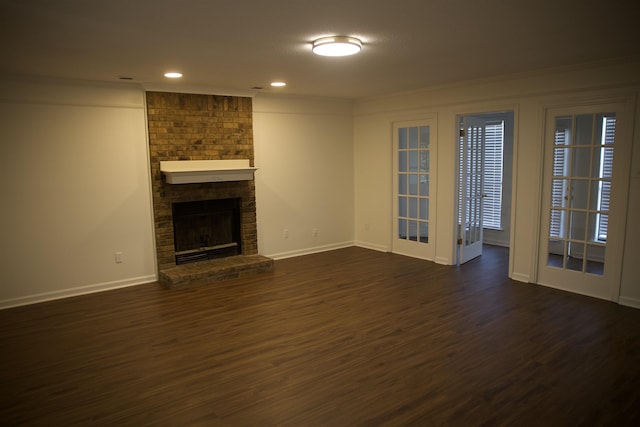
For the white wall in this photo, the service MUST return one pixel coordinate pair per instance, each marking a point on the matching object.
(75, 189)
(527, 95)
(75, 182)
(630, 289)
(304, 152)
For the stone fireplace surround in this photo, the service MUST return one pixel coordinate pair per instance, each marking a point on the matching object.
(201, 127)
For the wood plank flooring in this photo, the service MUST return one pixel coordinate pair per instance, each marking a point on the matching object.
(347, 337)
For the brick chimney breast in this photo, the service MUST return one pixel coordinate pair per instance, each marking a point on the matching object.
(199, 127)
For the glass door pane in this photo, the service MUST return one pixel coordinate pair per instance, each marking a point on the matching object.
(413, 171)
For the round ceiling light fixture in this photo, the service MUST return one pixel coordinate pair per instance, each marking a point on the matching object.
(336, 46)
(173, 75)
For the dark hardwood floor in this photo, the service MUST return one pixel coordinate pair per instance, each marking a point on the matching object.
(347, 337)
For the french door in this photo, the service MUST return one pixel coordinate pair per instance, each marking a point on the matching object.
(413, 230)
(584, 192)
(470, 187)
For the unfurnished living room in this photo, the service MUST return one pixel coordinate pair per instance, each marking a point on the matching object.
(296, 213)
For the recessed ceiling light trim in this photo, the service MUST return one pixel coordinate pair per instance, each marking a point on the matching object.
(336, 46)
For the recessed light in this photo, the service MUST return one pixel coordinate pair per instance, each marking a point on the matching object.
(278, 84)
(336, 46)
(173, 75)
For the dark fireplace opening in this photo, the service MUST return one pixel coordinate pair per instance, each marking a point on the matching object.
(206, 229)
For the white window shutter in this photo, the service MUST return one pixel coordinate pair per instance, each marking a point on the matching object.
(493, 168)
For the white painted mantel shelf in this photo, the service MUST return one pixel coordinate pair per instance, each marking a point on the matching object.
(195, 171)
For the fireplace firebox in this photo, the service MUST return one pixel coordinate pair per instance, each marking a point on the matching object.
(206, 229)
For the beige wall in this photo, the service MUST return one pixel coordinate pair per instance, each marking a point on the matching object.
(75, 188)
(75, 176)
(323, 164)
(304, 152)
(527, 96)
(630, 288)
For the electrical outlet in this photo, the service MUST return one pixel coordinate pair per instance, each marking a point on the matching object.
(285, 233)
(118, 257)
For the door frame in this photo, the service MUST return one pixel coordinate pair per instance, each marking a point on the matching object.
(471, 110)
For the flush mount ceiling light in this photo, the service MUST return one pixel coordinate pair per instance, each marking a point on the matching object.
(337, 46)
(173, 75)
(278, 84)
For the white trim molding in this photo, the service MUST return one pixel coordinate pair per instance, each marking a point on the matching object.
(519, 277)
(309, 251)
(372, 246)
(72, 292)
(629, 302)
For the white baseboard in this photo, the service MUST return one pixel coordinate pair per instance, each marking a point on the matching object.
(442, 261)
(372, 246)
(519, 277)
(496, 242)
(629, 302)
(411, 255)
(309, 251)
(72, 292)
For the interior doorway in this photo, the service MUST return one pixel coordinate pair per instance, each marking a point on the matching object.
(484, 182)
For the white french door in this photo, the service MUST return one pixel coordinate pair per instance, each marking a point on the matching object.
(586, 166)
(470, 187)
(413, 230)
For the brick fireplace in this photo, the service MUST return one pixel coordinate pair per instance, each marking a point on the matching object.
(201, 127)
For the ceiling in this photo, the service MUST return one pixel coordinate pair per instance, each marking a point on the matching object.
(233, 46)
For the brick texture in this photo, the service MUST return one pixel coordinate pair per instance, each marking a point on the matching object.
(199, 127)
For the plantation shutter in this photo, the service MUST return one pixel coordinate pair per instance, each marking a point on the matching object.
(558, 191)
(493, 167)
(606, 170)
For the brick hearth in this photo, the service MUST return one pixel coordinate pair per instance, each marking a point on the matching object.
(201, 127)
(199, 273)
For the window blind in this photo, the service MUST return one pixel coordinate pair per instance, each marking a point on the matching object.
(558, 187)
(493, 168)
(606, 171)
